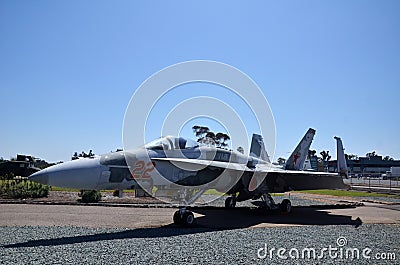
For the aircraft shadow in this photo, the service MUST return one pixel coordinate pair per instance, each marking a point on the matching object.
(164, 231)
(212, 219)
(245, 217)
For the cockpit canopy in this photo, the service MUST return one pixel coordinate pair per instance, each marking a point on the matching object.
(172, 143)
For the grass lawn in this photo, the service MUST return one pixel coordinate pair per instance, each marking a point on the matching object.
(341, 193)
(76, 190)
(208, 192)
(214, 192)
(63, 189)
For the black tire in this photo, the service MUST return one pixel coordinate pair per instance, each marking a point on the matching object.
(286, 206)
(230, 203)
(177, 218)
(188, 218)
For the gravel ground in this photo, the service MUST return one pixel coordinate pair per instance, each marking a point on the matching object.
(169, 245)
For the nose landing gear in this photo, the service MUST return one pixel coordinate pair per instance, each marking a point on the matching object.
(184, 217)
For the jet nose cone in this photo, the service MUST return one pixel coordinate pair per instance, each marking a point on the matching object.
(40, 177)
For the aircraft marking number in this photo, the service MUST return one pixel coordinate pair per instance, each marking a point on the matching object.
(141, 170)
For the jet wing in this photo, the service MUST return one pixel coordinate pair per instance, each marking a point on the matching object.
(278, 179)
(196, 164)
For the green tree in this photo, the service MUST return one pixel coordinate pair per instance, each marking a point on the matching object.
(388, 158)
(200, 132)
(204, 135)
(311, 153)
(221, 140)
(351, 156)
(371, 154)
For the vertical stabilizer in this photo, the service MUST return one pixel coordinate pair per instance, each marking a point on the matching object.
(341, 159)
(257, 148)
(299, 155)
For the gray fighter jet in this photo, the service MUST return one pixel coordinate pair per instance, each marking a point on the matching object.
(180, 170)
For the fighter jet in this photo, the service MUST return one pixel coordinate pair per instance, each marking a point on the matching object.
(182, 170)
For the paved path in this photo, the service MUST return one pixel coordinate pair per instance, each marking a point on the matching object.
(99, 216)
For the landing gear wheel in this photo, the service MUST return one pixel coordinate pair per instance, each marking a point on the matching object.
(177, 218)
(188, 218)
(286, 206)
(184, 217)
(230, 202)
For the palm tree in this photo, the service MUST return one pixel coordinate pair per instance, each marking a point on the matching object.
(325, 155)
(311, 153)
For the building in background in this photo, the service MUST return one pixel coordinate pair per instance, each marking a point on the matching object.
(22, 166)
(370, 166)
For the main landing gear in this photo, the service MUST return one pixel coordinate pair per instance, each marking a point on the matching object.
(267, 202)
(230, 202)
(184, 217)
(285, 206)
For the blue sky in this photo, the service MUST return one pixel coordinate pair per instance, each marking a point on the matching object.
(69, 68)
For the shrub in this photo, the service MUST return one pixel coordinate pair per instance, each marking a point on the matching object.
(91, 196)
(22, 189)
